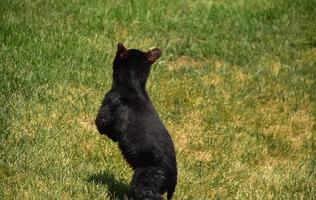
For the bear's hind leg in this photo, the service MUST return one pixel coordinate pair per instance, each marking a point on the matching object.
(147, 184)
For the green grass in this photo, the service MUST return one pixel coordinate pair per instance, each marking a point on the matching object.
(236, 88)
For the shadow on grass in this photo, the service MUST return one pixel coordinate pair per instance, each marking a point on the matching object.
(117, 189)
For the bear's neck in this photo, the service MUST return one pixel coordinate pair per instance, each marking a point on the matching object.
(131, 83)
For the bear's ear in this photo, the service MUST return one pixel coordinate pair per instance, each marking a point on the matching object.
(121, 51)
(153, 55)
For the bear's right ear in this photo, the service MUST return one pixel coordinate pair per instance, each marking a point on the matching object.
(121, 51)
(153, 55)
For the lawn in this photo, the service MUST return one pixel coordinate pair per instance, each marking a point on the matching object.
(235, 86)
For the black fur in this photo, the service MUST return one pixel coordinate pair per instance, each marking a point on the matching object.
(128, 117)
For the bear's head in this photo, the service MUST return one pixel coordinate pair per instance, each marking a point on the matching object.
(132, 66)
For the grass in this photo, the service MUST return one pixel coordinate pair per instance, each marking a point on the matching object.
(236, 88)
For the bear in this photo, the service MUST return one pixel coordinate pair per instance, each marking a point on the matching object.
(128, 117)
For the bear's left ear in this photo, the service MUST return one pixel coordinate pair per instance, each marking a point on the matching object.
(153, 55)
(121, 51)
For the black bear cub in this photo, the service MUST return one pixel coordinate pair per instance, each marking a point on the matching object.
(128, 117)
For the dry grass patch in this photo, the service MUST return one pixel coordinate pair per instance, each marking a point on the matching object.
(272, 64)
(308, 57)
(201, 155)
(189, 132)
(89, 146)
(211, 79)
(275, 66)
(87, 124)
(268, 175)
(295, 127)
(184, 61)
(218, 63)
(269, 162)
(241, 76)
(121, 32)
(216, 78)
